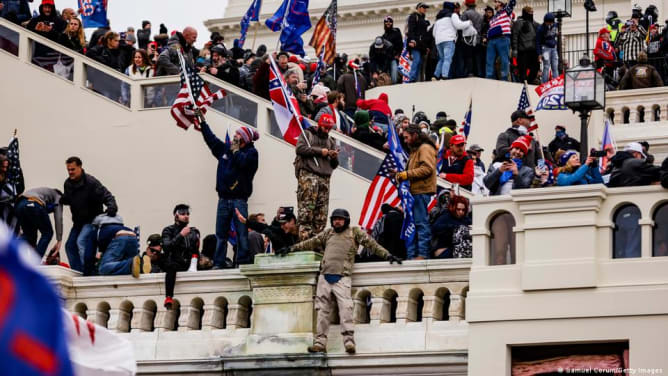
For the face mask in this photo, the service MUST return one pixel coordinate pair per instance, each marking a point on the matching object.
(561, 134)
(522, 129)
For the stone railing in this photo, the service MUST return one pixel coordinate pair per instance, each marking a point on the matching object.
(266, 309)
(637, 106)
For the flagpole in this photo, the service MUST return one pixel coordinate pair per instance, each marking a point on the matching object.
(255, 35)
(540, 151)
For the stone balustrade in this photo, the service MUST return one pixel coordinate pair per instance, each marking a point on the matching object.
(266, 308)
(637, 106)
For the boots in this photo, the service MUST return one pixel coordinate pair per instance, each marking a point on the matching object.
(350, 347)
(317, 348)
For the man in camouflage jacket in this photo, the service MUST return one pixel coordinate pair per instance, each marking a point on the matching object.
(340, 244)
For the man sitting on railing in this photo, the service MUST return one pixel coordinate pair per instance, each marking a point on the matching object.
(47, 23)
(181, 244)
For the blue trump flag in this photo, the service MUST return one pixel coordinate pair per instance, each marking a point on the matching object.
(93, 13)
(293, 20)
(401, 160)
(252, 14)
(32, 335)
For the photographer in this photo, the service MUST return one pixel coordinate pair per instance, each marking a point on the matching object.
(180, 242)
(222, 66)
(47, 23)
(572, 172)
(283, 229)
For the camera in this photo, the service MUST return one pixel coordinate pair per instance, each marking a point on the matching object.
(287, 209)
(598, 153)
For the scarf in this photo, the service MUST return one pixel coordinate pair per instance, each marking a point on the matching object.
(507, 175)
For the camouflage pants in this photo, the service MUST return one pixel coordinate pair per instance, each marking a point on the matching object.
(312, 204)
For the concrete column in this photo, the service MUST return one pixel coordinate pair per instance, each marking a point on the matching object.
(113, 322)
(646, 227)
(214, 317)
(142, 320)
(237, 316)
(189, 318)
(282, 299)
(380, 310)
(98, 317)
(359, 311)
(432, 308)
(165, 319)
(456, 310)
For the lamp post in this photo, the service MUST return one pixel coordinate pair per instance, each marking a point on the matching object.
(584, 91)
(560, 9)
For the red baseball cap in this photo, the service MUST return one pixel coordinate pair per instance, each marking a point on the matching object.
(326, 121)
(457, 139)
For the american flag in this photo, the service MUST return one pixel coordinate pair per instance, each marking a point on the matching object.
(466, 129)
(321, 64)
(324, 34)
(525, 106)
(607, 144)
(15, 173)
(405, 63)
(286, 108)
(383, 190)
(183, 110)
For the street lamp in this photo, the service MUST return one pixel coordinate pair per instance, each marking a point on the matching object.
(584, 91)
(560, 9)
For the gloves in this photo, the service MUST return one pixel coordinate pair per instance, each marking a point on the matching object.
(111, 212)
(392, 259)
(401, 176)
(283, 251)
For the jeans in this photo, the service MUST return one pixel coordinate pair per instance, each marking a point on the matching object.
(80, 248)
(445, 52)
(421, 244)
(550, 59)
(498, 47)
(33, 217)
(415, 66)
(224, 217)
(117, 259)
(394, 71)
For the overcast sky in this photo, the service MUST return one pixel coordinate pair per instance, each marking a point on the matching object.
(175, 14)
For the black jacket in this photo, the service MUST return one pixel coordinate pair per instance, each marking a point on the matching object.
(109, 57)
(229, 72)
(364, 135)
(393, 35)
(85, 198)
(664, 173)
(97, 35)
(72, 43)
(143, 38)
(443, 228)
(567, 143)
(179, 249)
(417, 31)
(390, 238)
(58, 24)
(279, 239)
(628, 171)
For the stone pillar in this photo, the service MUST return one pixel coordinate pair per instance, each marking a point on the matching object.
(214, 317)
(283, 311)
(237, 316)
(98, 317)
(142, 320)
(456, 310)
(165, 319)
(406, 309)
(380, 310)
(114, 315)
(189, 318)
(433, 308)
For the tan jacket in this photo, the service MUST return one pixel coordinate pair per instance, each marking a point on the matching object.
(421, 170)
(305, 154)
(340, 249)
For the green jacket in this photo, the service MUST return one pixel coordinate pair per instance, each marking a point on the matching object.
(340, 249)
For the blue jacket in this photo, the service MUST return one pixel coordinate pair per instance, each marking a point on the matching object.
(584, 175)
(234, 177)
(546, 36)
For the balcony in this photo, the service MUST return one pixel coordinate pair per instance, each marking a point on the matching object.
(407, 317)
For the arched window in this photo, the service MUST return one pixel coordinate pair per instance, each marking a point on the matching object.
(626, 236)
(660, 232)
(502, 240)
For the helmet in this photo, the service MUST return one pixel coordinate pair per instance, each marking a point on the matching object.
(612, 15)
(420, 116)
(340, 213)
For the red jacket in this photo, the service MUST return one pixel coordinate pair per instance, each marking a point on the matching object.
(460, 171)
(379, 104)
(605, 52)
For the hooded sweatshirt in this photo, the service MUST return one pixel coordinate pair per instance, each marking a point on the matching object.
(58, 24)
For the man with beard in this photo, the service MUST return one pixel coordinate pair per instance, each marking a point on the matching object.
(317, 157)
(180, 243)
(47, 23)
(393, 35)
(334, 283)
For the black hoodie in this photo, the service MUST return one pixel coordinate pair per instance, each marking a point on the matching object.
(58, 24)
(628, 171)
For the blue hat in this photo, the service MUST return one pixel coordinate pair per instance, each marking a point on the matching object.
(566, 156)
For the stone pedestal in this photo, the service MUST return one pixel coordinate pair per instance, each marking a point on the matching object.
(283, 319)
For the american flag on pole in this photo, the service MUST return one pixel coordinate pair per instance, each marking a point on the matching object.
(383, 190)
(525, 106)
(15, 173)
(324, 34)
(405, 63)
(286, 108)
(193, 90)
